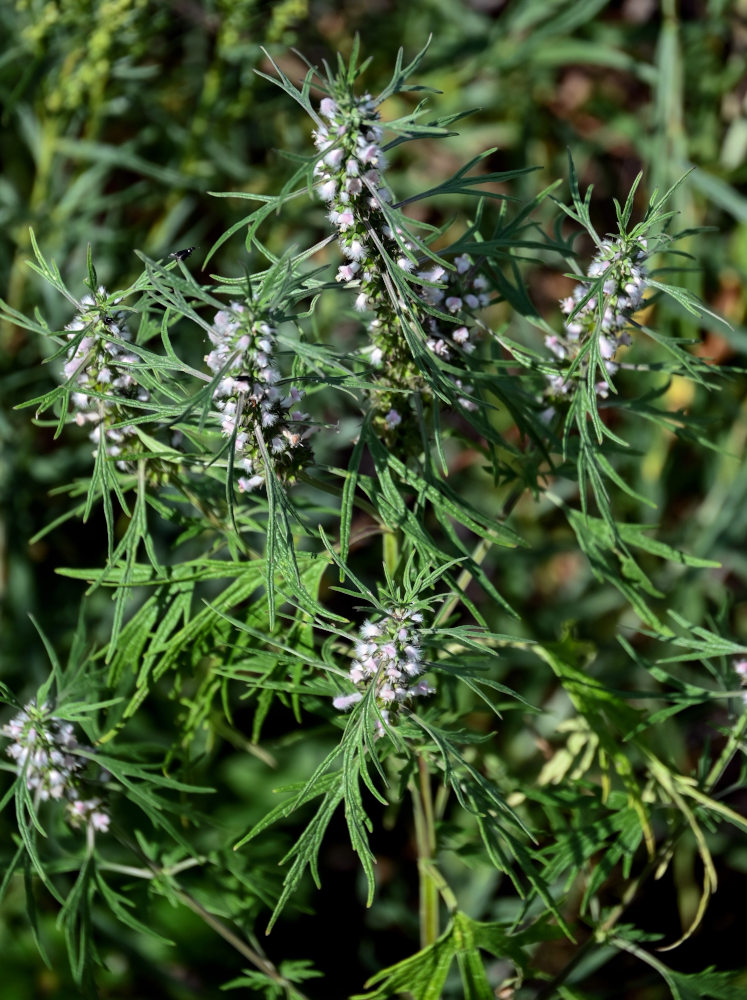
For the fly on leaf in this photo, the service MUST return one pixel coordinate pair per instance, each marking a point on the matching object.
(182, 254)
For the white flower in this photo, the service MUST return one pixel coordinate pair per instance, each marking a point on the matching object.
(100, 820)
(45, 750)
(248, 484)
(621, 265)
(439, 347)
(355, 250)
(327, 190)
(346, 272)
(345, 220)
(388, 656)
(345, 701)
(334, 157)
(328, 108)
(370, 154)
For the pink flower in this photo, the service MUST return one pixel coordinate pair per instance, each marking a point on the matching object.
(328, 108)
(346, 272)
(345, 701)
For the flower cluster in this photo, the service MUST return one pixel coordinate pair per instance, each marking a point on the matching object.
(388, 655)
(451, 335)
(100, 367)
(47, 755)
(349, 180)
(251, 402)
(459, 295)
(621, 265)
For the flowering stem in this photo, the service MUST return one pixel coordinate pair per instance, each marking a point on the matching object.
(425, 834)
(150, 873)
(47, 146)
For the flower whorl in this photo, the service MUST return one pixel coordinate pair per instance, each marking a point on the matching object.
(388, 656)
(349, 179)
(622, 265)
(101, 369)
(249, 398)
(46, 753)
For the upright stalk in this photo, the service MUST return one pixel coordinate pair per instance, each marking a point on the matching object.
(391, 550)
(425, 835)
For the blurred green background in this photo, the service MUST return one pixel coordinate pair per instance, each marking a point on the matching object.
(118, 118)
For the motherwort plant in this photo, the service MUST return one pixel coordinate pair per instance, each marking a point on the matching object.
(445, 618)
(388, 660)
(599, 318)
(251, 402)
(103, 373)
(52, 762)
(411, 293)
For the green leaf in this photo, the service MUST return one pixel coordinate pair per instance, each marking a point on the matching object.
(424, 974)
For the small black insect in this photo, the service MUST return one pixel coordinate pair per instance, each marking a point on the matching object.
(182, 254)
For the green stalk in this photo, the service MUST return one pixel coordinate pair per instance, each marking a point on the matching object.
(425, 836)
(254, 955)
(478, 554)
(391, 550)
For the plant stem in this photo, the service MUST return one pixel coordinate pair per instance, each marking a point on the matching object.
(253, 955)
(391, 550)
(478, 554)
(425, 834)
(258, 960)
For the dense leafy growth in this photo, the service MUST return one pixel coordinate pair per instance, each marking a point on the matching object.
(390, 587)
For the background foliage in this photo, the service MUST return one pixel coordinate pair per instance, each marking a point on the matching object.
(124, 116)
